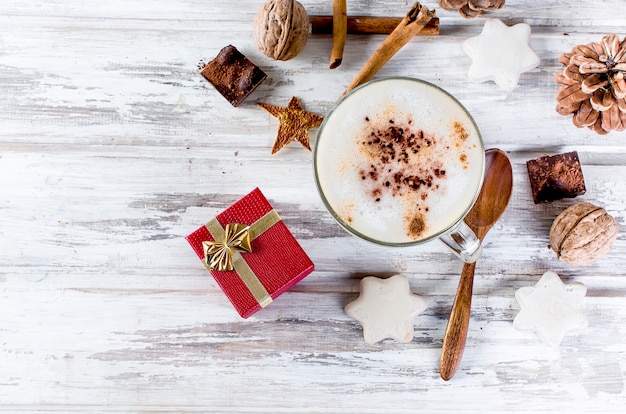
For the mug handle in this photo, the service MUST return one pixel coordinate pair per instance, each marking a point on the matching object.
(463, 242)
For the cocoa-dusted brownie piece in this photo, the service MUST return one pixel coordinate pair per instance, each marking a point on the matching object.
(554, 177)
(233, 75)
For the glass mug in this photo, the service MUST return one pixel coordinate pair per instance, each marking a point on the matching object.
(399, 162)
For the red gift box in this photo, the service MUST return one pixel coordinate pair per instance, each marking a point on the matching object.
(275, 260)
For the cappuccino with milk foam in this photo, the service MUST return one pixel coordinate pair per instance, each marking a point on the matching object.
(399, 161)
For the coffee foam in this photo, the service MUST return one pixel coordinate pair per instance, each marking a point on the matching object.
(404, 197)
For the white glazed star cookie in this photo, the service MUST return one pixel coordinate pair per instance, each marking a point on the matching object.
(501, 54)
(551, 308)
(386, 308)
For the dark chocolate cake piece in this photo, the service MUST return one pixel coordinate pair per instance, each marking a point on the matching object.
(555, 177)
(233, 75)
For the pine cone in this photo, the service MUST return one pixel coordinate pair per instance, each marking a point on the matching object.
(593, 87)
(471, 8)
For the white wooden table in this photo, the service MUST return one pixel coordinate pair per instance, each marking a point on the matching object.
(113, 148)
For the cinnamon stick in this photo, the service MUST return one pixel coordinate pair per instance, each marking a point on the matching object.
(340, 30)
(413, 22)
(369, 25)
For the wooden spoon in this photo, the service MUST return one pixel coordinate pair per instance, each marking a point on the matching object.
(491, 203)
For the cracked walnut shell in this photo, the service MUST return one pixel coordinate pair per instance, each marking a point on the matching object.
(281, 29)
(582, 233)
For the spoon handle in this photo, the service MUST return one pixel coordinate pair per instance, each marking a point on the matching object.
(456, 331)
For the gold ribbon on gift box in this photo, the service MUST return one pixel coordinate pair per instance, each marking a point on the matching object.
(224, 253)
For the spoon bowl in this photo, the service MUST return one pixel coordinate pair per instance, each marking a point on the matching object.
(491, 202)
(495, 193)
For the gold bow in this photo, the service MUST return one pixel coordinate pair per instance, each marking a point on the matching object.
(218, 254)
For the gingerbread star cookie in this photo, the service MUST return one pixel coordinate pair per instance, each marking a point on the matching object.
(501, 54)
(551, 308)
(386, 308)
(295, 123)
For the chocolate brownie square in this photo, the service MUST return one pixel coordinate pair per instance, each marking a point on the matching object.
(555, 177)
(233, 75)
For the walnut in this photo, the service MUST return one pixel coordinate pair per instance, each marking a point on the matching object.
(582, 233)
(281, 29)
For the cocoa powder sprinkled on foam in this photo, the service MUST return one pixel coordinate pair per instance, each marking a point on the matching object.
(392, 147)
(461, 134)
(403, 164)
(460, 131)
(417, 225)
